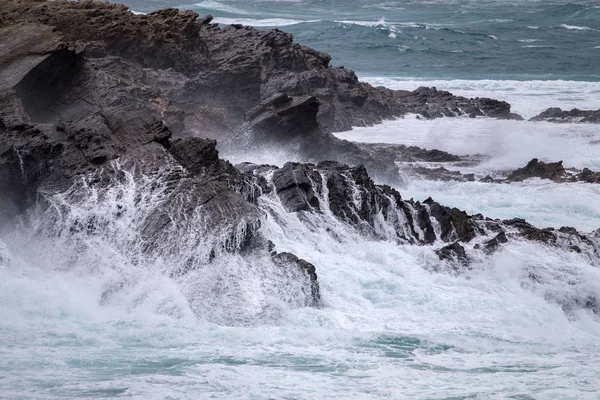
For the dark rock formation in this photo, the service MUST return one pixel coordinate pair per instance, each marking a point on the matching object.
(433, 103)
(288, 260)
(377, 210)
(534, 169)
(98, 103)
(453, 252)
(588, 176)
(195, 64)
(552, 171)
(438, 174)
(294, 183)
(538, 169)
(556, 114)
(493, 244)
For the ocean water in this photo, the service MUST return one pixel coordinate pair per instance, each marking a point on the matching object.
(431, 39)
(396, 322)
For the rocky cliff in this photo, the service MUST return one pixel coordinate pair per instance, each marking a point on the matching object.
(98, 104)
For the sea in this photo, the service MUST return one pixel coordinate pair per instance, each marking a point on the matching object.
(393, 323)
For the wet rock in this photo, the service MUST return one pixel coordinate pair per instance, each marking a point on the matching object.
(433, 103)
(454, 223)
(538, 169)
(530, 232)
(199, 156)
(553, 171)
(402, 153)
(453, 252)
(562, 116)
(439, 174)
(489, 179)
(295, 185)
(588, 176)
(492, 245)
(289, 260)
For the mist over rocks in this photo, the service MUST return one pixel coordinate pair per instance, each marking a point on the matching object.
(111, 125)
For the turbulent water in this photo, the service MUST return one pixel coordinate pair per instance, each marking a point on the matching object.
(84, 314)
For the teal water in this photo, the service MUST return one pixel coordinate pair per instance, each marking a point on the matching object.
(431, 39)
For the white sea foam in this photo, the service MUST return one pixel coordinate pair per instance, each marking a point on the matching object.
(217, 6)
(577, 28)
(510, 144)
(380, 22)
(390, 327)
(507, 145)
(259, 22)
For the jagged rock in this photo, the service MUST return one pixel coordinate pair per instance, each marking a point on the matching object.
(295, 185)
(454, 223)
(402, 153)
(289, 260)
(553, 171)
(26, 156)
(538, 169)
(556, 114)
(90, 95)
(530, 232)
(198, 156)
(453, 252)
(232, 68)
(433, 103)
(439, 174)
(291, 123)
(588, 176)
(490, 246)
(489, 179)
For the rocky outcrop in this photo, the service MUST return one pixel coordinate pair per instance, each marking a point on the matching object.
(538, 169)
(534, 169)
(556, 114)
(83, 116)
(433, 103)
(104, 110)
(378, 211)
(230, 68)
(453, 252)
(552, 171)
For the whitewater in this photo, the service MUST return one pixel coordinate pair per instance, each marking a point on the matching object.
(395, 321)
